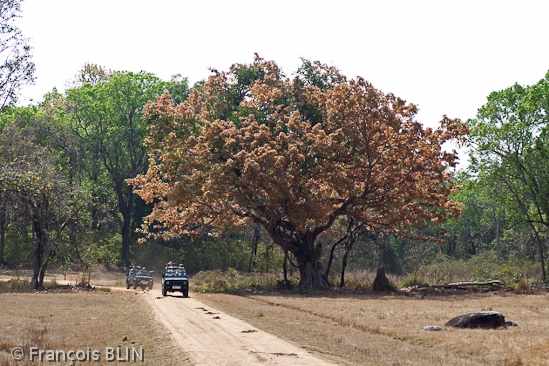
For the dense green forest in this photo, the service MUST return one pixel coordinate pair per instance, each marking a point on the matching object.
(66, 202)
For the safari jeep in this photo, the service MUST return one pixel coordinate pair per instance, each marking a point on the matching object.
(175, 279)
(138, 276)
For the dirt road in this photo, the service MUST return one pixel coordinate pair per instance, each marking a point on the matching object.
(206, 335)
(211, 337)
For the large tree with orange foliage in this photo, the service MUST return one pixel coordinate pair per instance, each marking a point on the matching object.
(295, 156)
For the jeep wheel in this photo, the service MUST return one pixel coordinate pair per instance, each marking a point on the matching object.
(163, 291)
(151, 286)
(127, 285)
(186, 293)
(134, 285)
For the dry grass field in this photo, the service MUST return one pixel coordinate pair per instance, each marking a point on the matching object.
(345, 327)
(80, 321)
(367, 329)
(99, 276)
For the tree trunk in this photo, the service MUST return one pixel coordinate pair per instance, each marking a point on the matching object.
(350, 243)
(267, 257)
(45, 262)
(540, 248)
(307, 254)
(331, 259)
(472, 250)
(126, 240)
(498, 245)
(543, 274)
(312, 276)
(381, 283)
(2, 229)
(39, 249)
(343, 266)
(285, 267)
(255, 242)
(291, 266)
(497, 223)
(42, 274)
(125, 205)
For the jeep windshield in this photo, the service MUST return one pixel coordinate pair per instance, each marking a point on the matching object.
(175, 273)
(142, 272)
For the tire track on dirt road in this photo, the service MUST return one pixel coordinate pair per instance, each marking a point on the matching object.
(210, 337)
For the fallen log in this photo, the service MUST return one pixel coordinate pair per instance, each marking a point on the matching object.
(424, 289)
(460, 284)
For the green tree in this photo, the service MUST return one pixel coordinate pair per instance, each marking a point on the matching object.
(474, 229)
(36, 187)
(16, 66)
(510, 145)
(106, 116)
(178, 87)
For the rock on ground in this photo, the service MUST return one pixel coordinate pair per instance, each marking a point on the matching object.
(434, 328)
(481, 319)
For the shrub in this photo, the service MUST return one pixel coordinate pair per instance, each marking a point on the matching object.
(50, 284)
(358, 280)
(482, 274)
(230, 280)
(14, 285)
(412, 280)
(522, 285)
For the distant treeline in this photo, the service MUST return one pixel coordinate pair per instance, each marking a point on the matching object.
(65, 200)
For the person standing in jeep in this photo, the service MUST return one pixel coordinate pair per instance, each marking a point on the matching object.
(175, 279)
(139, 277)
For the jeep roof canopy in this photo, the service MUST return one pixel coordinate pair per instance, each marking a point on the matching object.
(175, 271)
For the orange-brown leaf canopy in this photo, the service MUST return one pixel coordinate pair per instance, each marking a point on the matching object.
(293, 155)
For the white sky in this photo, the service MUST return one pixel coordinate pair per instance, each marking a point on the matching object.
(444, 56)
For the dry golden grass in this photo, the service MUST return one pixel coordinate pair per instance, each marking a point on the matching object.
(82, 320)
(99, 276)
(363, 329)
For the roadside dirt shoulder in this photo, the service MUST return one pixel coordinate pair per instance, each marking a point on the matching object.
(211, 337)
